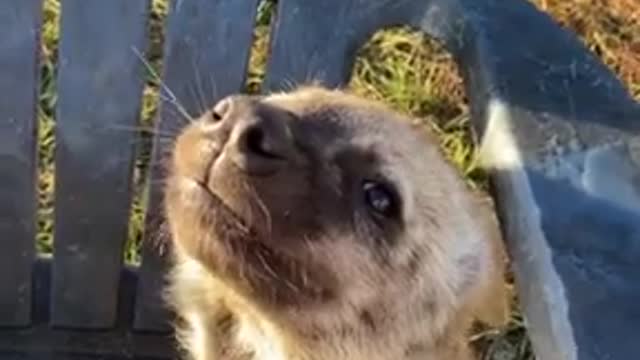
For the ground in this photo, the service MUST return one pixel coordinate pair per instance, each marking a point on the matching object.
(408, 71)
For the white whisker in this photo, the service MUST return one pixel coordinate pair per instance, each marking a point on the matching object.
(173, 99)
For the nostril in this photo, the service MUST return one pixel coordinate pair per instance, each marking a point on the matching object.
(256, 143)
(216, 116)
(220, 110)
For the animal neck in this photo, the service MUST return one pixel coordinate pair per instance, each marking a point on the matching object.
(355, 339)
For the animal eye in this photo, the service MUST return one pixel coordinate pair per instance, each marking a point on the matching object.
(380, 198)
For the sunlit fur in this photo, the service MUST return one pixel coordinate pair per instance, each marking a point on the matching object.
(291, 266)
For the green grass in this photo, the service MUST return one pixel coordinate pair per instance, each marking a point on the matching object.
(406, 70)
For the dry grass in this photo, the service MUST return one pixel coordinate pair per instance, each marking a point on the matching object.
(404, 69)
(610, 28)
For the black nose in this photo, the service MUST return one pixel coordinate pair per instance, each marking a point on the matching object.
(260, 140)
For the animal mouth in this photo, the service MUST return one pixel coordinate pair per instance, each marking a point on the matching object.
(236, 252)
(215, 203)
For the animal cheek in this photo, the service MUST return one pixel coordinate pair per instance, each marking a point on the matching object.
(185, 239)
(470, 273)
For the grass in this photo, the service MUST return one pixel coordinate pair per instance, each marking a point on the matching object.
(406, 70)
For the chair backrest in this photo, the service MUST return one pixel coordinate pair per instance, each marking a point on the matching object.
(50, 304)
(85, 286)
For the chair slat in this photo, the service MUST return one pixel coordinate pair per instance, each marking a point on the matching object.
(100, 87)
(19, 28)
(206, 56)
(39, 342)
(319, 40)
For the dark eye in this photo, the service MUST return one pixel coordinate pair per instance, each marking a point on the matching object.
(380, 198)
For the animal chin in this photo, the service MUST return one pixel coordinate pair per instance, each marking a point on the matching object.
(265, 273)
(236, 252)
(216, 235)
(277, 279)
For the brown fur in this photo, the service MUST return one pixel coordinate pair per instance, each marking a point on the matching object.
(288, 264)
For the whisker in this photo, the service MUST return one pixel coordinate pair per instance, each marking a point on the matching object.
(173, 112)
(156, 181)
(147, 145)
(214, 87)
(149, 141)
(176, 107)
(142, 129)
(290, 285)
(152, 185)
(158, 236)
(265, 265)
(265, 211)
(157, 159)
(173, 99)
(198, 86)
(157, 168)
(138, 166)
(289, 83)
